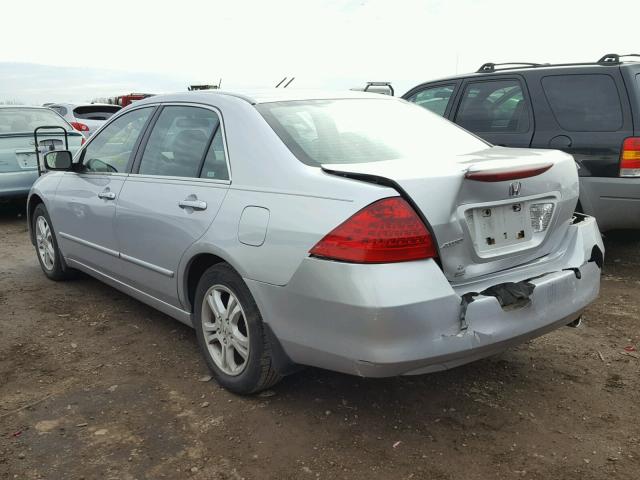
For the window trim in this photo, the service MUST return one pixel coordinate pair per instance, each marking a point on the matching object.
(525, 95)
(422, 88)
(135, 166)
(80, 153)
(620, 128)
(456, 82)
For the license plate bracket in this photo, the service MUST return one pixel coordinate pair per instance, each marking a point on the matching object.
(500, 226)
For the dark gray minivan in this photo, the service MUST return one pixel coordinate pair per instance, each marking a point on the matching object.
(590, 110)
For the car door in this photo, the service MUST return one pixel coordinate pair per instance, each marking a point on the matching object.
(177, 185)
(85, 202)
(497, 109)
(436, 97)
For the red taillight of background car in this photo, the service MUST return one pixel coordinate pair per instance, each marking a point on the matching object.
(630, 157)
(386, 231)
(81, 127)
(82, 142)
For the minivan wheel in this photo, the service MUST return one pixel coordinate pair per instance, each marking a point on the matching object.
(230, 332)
(47, 250)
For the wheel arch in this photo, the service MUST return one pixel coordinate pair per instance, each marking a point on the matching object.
(33, 201)
(197, 264)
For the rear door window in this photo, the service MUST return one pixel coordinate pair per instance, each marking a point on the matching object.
(584, 103)
(496, 106)
(435, 98)
(179, 141)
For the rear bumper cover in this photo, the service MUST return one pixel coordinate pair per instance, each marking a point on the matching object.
(615, 202)
(17, 184)
(403, 319)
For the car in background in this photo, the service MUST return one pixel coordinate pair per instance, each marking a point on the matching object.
(85, 118)
(18, 160)
(351, 231)
(590, 110)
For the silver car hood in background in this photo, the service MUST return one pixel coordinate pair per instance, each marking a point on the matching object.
(439, 190)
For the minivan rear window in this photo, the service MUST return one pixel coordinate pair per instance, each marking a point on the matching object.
(95, 112)
(365, 130)
(584, 103)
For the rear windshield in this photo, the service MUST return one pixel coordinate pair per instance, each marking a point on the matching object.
(23, 120)
(363, 130)
(95, 112)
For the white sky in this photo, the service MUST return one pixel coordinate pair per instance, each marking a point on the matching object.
(333, 43)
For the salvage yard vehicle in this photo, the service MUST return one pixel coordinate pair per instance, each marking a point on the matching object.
(349, 231)
(18, 159)
(85, 118)
(590, 110)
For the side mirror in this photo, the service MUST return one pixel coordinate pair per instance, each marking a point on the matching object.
(58, 160)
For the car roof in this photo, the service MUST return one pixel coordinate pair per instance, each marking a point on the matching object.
(531, 67)
(258, 96)
(32, 107)
(82, 104)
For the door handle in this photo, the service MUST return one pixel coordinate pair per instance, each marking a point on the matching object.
(107, 195)
(195, 204)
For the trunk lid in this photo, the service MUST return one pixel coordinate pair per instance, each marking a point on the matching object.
(18, 152)
(482, 227)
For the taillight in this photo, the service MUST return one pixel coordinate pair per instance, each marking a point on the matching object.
(82, 142)
(630, 157)
(386, 231)
(81, 127)
(507, 173)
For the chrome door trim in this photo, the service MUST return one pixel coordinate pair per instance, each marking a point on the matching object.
(113, 253)
(86, 243)
(147, 265)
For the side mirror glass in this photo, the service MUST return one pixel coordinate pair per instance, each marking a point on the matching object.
(58, 160)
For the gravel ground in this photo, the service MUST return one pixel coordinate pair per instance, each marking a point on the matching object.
(94, 384)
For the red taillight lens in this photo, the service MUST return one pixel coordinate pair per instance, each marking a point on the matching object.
(630, 157)
(386, 231)
(81, 127)
(507, 173)
(82, 142)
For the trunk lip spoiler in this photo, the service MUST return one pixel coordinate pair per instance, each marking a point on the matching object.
(506, 173)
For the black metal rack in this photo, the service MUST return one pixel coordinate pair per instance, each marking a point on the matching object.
(491, 67)
(608, 59)
(52, 145)
(380, 84)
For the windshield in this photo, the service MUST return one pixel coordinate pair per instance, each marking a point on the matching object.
(25, 120)
(363, 130)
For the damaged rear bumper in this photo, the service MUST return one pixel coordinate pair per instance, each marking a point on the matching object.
(405, 319)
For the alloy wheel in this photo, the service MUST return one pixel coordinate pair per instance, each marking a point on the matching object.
(44, 242)
(225, 330)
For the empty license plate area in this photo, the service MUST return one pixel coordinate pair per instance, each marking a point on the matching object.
(496, 227)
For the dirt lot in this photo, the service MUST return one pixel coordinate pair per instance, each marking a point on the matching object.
(95, 385)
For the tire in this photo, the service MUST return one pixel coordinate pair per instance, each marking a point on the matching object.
(46, 244)
(224, 333)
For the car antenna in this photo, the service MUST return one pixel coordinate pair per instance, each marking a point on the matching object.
(280, 82)
(287, 84)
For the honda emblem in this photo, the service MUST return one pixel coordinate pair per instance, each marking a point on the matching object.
(514, 189)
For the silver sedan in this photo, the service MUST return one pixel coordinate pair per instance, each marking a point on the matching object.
(348, 231)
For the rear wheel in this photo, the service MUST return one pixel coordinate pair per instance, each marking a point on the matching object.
(49, 256)
(230, 332)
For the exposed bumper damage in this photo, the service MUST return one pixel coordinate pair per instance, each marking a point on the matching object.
(405, 319)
